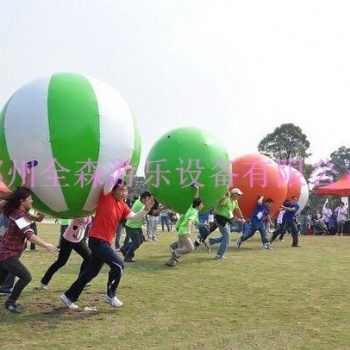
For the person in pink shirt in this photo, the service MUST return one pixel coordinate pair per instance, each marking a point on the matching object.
(72, 239)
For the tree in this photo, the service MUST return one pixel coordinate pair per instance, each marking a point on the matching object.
(285, 143)
(340, 160)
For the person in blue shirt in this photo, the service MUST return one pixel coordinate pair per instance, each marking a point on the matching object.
(204, 231)
(260, 213)
(288, 222)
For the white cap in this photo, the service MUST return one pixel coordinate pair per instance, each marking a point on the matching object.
(237, 191)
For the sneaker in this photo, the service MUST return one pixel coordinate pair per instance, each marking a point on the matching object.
(196, 244)
(115, 302)
(170, 263)
(267, 247)
(238, 243)
(88, 285)
(68, 302)
(221, 257)
(172, 250)
(12, 307)
(43, 286)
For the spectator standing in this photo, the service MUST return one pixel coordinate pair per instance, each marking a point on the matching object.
(342, 215)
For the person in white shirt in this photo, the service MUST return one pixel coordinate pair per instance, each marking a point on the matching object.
(342, 215)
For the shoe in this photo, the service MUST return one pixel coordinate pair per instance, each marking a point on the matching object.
(5, 294)
(196, 244)
(172, 250)
(267, 247)
(12, 307)
(221, 257)
(43, 286)
(88, 285)
(238, 243)
(296, 246)
(115, 302)
(68, 302)
(170, 263)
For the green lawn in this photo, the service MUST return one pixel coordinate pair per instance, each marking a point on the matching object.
(288, 298)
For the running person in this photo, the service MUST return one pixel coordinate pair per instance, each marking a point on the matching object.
(16, 207)
(111, 210)
(72, 239)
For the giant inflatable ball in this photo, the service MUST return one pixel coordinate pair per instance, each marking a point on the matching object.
(181, 158)
(256, 174)
(77, 129)
(297, 186)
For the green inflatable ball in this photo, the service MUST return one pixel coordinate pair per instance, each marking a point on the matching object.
(185, 157)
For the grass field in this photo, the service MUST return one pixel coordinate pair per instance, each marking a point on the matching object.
(288, 298)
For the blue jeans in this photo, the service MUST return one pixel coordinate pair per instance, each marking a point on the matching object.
(256, 226)
(224, 240)
(136, 237)
(303, 224)
(101, 252)
(237, 226)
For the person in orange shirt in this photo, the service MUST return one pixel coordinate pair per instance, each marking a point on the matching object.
(111, 210)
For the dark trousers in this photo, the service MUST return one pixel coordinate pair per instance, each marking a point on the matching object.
(34, 227)
(136, 239)
(282, 230)
(62, 229)
(14, 266)
(101, 252)
(66, 248)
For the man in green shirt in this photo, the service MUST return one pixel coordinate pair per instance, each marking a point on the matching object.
(134, 230)
(184, 228)
(227, 206)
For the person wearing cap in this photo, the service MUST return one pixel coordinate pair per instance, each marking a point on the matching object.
(261, 212)
(227, 206)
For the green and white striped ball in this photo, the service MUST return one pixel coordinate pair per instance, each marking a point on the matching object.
(62, 121)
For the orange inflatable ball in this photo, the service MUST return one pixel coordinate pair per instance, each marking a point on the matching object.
(297, 186)
(256, 174)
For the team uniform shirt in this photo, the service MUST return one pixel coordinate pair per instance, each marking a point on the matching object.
(290, 215)
(109, 213)
(12, 244)
(191, 214)
(137, 206)
(259, 213)
(76, 230)
(227, 208)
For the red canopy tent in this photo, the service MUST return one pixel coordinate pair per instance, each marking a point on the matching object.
(338, 188)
